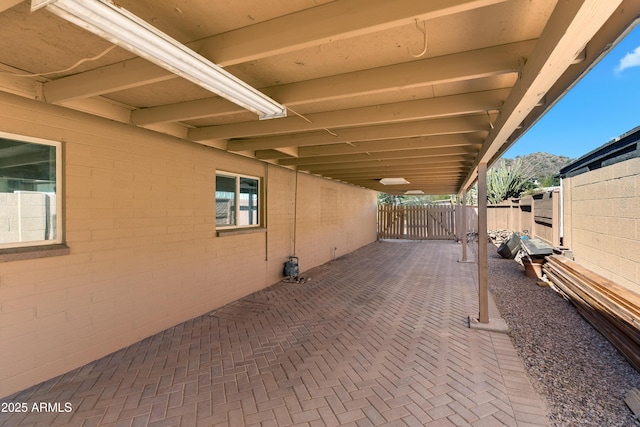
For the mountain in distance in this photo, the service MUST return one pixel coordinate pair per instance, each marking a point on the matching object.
(537, 166)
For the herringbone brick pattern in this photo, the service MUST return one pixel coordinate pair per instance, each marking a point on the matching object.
(377, 337)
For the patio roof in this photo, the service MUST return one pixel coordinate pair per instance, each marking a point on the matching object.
(423, 90)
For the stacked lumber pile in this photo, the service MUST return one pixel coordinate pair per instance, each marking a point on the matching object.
(612, 309)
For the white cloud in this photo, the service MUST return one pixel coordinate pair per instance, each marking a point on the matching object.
(631, 59)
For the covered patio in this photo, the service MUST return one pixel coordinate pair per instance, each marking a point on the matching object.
(376, 337)
(166, 199)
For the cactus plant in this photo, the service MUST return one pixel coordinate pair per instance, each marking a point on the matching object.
(504, 182)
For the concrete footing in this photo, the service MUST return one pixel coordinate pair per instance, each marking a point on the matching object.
(494, 325)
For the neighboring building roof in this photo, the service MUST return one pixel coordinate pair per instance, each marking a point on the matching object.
(621, 148)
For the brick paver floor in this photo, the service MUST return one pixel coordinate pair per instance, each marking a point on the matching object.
(377, 337)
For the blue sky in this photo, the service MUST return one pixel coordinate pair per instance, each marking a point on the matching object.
(603, 105)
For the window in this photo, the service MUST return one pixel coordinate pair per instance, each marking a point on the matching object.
(30, 174)
(237, 200)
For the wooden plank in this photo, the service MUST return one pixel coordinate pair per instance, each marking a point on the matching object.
(623, 320)
(623, 296)
(612, 309)
(626, 348)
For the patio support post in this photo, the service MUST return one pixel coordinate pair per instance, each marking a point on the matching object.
(483, 276)
(463, 225)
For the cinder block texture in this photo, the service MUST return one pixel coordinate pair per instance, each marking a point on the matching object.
(144, 250)
(602, 221)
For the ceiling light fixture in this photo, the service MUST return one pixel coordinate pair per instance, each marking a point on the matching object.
(413, 192)
(393, 181)
(126, 30)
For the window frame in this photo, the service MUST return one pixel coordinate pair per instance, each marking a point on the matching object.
(237, 177)
(37, 244)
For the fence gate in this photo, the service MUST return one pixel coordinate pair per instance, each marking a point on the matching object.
(416, 222)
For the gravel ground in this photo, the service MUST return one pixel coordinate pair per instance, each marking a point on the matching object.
(582, 376)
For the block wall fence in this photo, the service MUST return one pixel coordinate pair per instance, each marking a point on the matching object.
(536, 216)
(602, 221)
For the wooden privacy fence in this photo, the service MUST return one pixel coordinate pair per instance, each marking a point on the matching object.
(417, 222)
(537, 216)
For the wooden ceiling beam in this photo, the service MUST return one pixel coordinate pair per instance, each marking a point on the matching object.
(412, 183)
(431, 71)
(273, 154)
(288, 33)
(437, 141)
(11, 83)
(627, 16)
(321, 168)
(420, 109)
(452, 68)
(435, 188)
(413, 180)
(309, 27)
(112, 78)
(389, 172)
(570, 27)
(398, 170)
(449, 152)
(445, 126)
(459, 174)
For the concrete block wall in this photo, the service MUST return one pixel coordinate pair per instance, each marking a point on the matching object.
(333, 220)
(602, 221)
(139, 219)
